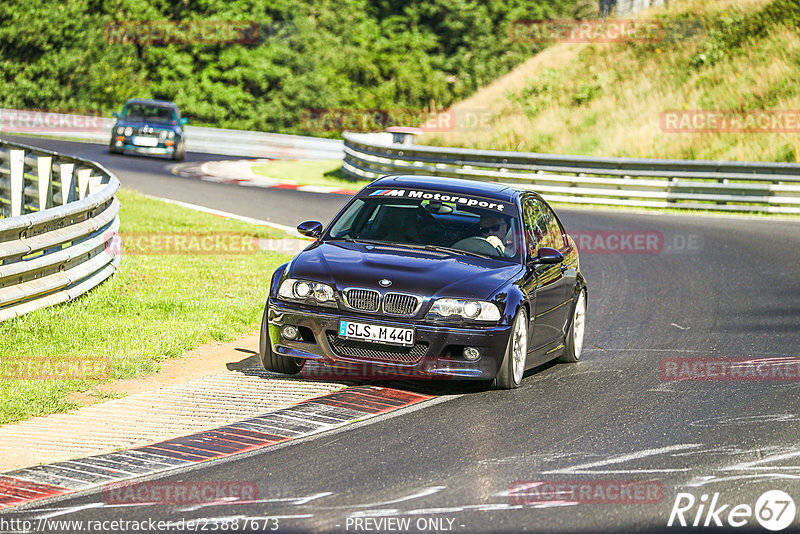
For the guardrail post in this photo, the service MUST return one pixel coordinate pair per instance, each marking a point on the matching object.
(67, 181)
(83, 182)
(16, 163)
(44, 166)
(95, 184)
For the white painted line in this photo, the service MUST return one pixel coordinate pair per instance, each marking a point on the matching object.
(69, 510)
(702, 481)
(755, 464)
(424, 493)
(582, 468)
(228, 215)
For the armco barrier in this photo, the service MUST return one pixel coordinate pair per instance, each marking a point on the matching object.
(688, 184)
(198, 138)
(56, 214)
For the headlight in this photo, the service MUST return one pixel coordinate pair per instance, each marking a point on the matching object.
(477, 310)
(302, 290)
(171, 134)
(162, 134)
(128, 131)
(120, 130)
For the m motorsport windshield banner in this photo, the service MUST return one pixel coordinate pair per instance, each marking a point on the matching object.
(455, 198)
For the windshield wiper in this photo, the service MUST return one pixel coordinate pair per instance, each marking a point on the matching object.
(439, 248)
(353, 240)
(435, 248)
(456, 251)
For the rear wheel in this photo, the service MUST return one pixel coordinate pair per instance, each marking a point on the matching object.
(513, 367)
(574, 342)
(275, 362)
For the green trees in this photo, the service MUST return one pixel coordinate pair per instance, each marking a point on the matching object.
(366, 54)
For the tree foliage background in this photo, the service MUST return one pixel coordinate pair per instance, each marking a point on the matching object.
(365, 54)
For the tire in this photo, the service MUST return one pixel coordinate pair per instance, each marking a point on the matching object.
(573, 345)
(275, 362)
(180, 153)
(111, 149)
(511, 370)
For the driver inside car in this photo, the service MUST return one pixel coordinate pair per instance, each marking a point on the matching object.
(495, 229)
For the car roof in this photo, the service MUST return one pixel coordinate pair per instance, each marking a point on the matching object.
(450, 185)
(151, 102)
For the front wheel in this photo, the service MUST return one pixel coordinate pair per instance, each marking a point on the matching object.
(574, 342)
(511, 370)
(180, 152)
(271, 361)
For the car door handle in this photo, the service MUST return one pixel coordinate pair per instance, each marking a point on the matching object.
(564, 268)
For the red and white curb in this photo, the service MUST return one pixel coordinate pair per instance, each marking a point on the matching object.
(304, 419)
(239, 172)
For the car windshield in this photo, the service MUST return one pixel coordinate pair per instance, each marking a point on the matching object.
(149, 112)
(467, 225)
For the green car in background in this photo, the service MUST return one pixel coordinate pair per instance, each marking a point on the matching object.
(149, 127)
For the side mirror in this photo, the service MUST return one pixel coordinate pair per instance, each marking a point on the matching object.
(184, 121)
(547, 256)
(115, 114)
(310, 229)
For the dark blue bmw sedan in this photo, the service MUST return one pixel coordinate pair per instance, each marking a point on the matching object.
(433, 278)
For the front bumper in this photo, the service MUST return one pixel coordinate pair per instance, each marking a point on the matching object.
(437, 352)
(161, 149)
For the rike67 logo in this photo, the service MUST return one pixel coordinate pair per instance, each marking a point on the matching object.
(774, 510)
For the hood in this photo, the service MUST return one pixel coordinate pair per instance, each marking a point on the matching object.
(421, 272)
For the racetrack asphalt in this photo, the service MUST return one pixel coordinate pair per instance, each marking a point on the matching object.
(610, 417)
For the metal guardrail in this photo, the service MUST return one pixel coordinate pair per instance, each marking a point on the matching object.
(198, 138)
(687, 184)
(56, 214)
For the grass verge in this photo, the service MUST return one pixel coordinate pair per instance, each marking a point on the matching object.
(155, 307)
(319, 172)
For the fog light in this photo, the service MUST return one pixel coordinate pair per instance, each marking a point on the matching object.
(471, 353)
(289, 332)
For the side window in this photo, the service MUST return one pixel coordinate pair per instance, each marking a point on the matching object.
(542, 229)
(555, 234)
(530, 214)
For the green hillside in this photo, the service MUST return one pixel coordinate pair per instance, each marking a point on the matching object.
(739, 57)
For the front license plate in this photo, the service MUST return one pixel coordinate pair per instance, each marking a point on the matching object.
(145, 141)
(390, 335)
